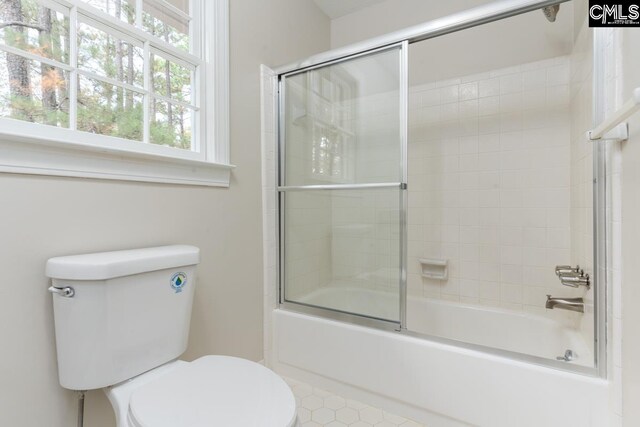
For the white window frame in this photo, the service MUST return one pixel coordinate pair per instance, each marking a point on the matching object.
(40, 149)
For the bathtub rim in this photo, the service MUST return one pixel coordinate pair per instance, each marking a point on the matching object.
(388, 326)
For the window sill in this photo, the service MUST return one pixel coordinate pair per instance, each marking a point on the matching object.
(27, 152)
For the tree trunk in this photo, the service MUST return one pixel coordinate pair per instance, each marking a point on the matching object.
(182, 141)
(130, 69)
(130, 72)
(48, 73)
(17, 66)
(167, 80)
(152, 114)
(119, 64)
(63, 95)
(108, 60)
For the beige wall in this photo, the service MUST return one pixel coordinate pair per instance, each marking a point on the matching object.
(462, 53)
(43, 217)
(631, 238)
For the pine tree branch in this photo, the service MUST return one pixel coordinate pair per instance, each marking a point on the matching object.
(20, 24)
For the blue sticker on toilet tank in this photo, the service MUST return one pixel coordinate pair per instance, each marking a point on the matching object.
(178, 281)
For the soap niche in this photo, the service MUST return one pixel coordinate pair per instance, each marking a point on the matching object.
(434, 268)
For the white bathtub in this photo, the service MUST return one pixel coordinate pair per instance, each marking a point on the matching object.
(439, 384)
(491, 327)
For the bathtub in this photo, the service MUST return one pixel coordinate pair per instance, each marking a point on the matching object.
(440, 384)
(496, 328)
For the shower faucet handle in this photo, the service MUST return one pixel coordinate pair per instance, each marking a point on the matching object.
(577, 274)
(575, 281)
(567, 269)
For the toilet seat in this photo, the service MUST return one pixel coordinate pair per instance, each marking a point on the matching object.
(214, 391)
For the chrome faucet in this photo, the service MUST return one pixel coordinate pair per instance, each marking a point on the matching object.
(572, 304)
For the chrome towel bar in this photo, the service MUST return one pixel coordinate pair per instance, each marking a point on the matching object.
(614, 127)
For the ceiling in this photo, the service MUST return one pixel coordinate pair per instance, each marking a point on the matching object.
(337, 8)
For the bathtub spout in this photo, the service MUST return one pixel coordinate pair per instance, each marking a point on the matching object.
(572, 304)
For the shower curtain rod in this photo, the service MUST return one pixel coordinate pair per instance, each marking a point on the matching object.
(434, 28)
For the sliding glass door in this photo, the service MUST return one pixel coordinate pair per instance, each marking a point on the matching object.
(342, 185)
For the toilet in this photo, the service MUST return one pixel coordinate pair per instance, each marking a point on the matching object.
(121, 323)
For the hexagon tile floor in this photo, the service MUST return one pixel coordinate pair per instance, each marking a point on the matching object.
(318, 408)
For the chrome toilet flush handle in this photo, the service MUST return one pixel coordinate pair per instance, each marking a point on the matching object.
(66, 292)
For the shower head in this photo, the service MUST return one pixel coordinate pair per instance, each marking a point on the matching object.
(550, 12)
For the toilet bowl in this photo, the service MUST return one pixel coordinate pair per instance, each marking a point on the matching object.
(122, 321)
(210, 391)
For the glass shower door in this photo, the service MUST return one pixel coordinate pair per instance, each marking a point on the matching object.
(342, 185)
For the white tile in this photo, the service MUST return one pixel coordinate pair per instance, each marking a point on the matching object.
(490, 87)
(323, 415)
(534, 236)
(396, 419)
(312, 402)
(511, 293)
(511, 255)
(489, 105)
(469, 91)
(371, 415)
(430, 97)
(304, 415)
(558, 75)
(347, 415)
(355, 404)
(468, 145)
(534, 99)
(511, 102)
(534, 79)
(489, 142)
(468, 108)
(334, 402)
(449, 94)
(511, 83)
(489, 124)
(469, 288)
(488, 255)
(489, 290)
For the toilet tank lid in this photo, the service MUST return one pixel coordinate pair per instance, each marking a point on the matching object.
(107, 265)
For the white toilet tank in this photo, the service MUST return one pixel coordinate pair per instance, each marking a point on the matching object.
(129, 312)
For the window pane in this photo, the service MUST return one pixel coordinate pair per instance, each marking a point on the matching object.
(107, 55)
(109, 110)
(171, 80)
(32, 91)
(171, 125)
(124, 10)
(164, 20)
(35, 29)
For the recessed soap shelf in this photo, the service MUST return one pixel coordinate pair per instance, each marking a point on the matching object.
(434, 268)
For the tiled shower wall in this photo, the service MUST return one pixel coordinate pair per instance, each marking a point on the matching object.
(489, 184)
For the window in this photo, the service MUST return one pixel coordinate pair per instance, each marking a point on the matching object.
(110, 77)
